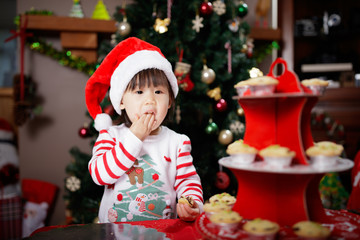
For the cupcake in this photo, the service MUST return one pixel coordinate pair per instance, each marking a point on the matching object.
(261, 229)
(214, 207)
(324, 153)
(228, 220)
(224, 198)
(277, 156)
(241, 153)
(317, 86)
(311, 230)
(257, 86)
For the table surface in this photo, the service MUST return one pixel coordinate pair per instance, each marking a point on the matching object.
(158, 229)
(343, 224)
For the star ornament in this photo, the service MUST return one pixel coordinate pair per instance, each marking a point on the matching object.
(197, 23)
(219, 7)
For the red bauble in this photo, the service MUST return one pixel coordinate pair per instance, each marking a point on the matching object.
(222, 180)
(84, 132)
(109, 110)
(221, 105)
(206, 8)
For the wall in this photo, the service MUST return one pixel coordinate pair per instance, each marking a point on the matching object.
(45, 141)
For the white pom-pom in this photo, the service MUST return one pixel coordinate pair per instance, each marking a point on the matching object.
(102, 121)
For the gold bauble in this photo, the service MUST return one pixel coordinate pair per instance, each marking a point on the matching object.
(207, 75)
(225, 137)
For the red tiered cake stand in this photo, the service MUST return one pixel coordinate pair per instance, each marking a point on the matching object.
(290, 194)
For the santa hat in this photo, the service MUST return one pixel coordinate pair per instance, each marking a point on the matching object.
(6, 130)
(115, 72)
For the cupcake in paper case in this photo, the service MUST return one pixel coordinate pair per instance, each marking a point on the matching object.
(213, 207)
(324, 154)
(277, 156)
(258, 86)
(224, 198)
(241, 153)
(226, 220)
(317, 86)
(261, 229)
(309, 230)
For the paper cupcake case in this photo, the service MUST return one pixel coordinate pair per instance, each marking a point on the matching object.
(343, 225)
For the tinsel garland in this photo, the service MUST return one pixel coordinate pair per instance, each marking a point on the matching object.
(64, 57)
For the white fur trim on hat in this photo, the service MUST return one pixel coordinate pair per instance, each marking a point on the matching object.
(133, 64)
(102, 121)
(6, 135)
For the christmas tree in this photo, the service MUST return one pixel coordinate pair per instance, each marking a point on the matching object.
(209, 47)
(100, 11)
(76, 10)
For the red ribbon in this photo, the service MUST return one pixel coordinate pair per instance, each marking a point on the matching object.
(22, 34)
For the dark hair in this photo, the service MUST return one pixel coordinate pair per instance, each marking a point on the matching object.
(148, 77)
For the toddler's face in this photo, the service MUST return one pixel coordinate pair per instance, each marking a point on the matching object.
(147, 100)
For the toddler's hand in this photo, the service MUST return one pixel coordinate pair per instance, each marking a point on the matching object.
(143, 126)
(187, 213)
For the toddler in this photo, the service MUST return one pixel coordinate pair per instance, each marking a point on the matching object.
(143, 165)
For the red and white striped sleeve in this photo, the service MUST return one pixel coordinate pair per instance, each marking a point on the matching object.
(187, 181)
(111, 160)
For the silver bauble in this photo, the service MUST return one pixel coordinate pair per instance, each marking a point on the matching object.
(124, 28)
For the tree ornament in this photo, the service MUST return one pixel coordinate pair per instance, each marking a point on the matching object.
(237, 127)
(84, 131)
(197, 23)
(214, 93)
(219, 7)
(113, 40)
(222, 180)
(76, 10)
(225, 137)
(221, 105)
(182, 73)
(212, 128)
(234, 24)
(242, 9)
(207, 75)
(206, 8)
(73, 183)
(124, 28)
(255, 72)
(250, 47)
(109, 109)
(178, 114)
(161, 25)
(240, 111)
(100, 12)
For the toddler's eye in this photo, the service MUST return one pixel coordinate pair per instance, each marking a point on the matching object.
(138, 92)
(158, 91)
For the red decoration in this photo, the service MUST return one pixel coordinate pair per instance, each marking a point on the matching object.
(119, 197)
(221, 105)
(109, 110)
(206, 8)
(185, 82)
(155, 177)
(9, 174)
(22, 34)
(84, 132)
(222, 180)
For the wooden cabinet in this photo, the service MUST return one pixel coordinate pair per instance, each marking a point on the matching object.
(79, 35)
(343, 106)
(340, 45)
